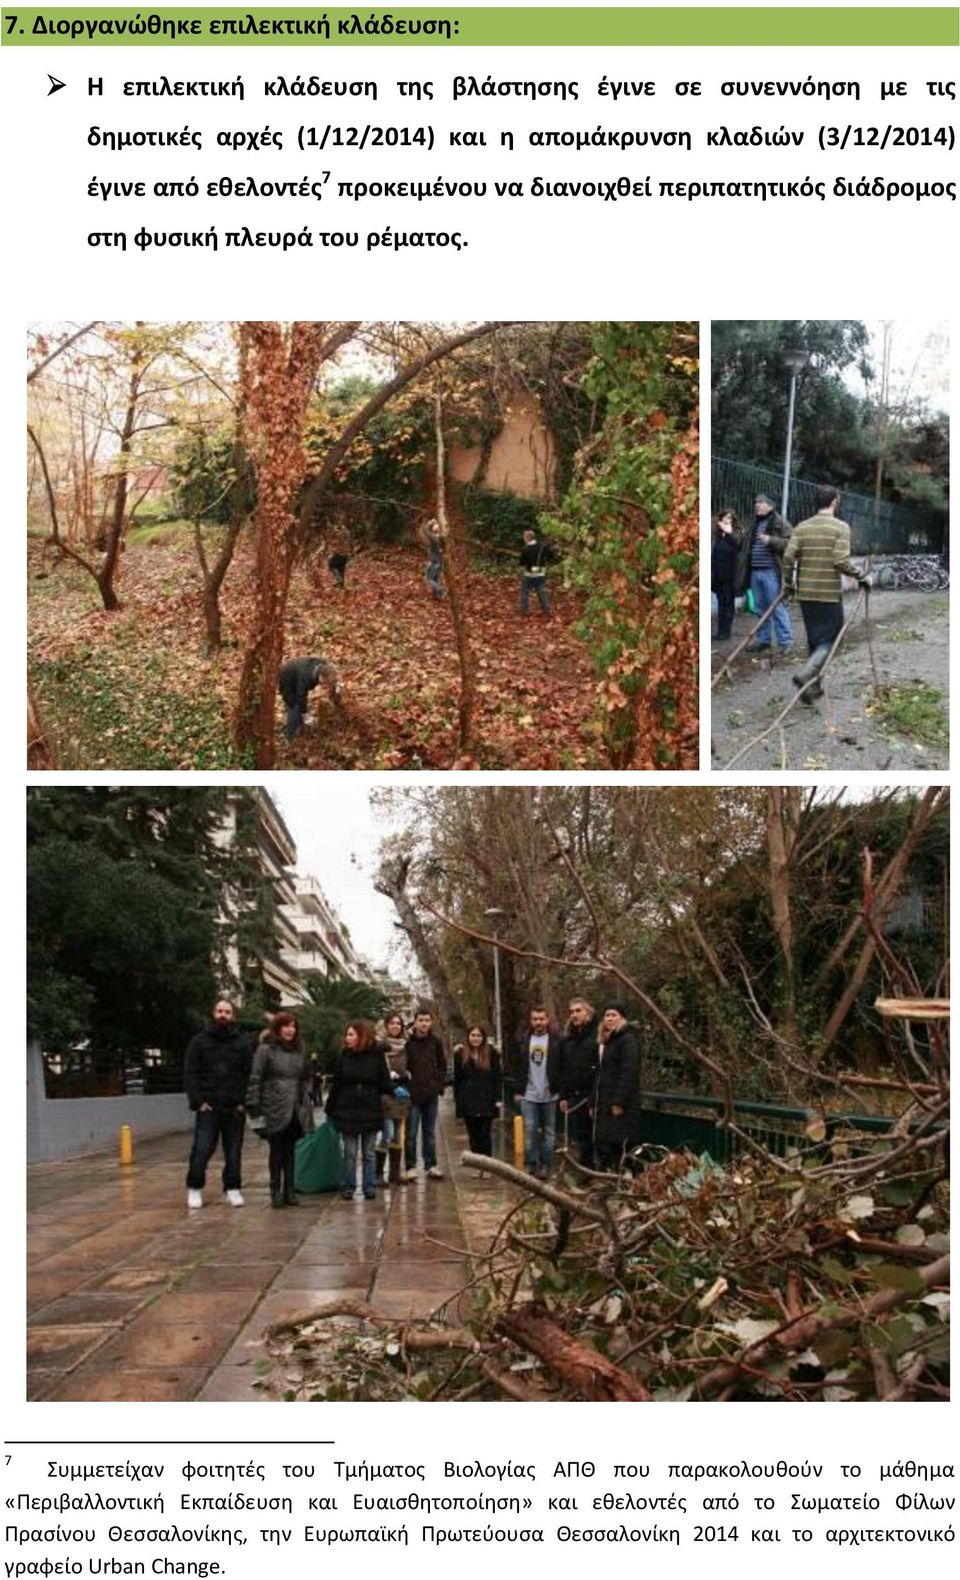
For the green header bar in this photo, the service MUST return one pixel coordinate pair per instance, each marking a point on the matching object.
(664, 25)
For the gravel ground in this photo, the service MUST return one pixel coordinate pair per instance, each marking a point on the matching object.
(910, 642)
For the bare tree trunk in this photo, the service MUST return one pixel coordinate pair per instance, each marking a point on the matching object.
(108, 566)
(63, 549)
(279, 379)
(455, 566)
(39, 751)
(391, 880)
(885, 894)
(783, 812)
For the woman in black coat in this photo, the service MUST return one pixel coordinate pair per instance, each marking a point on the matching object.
(476, 1085)
(361, 1080)
(279, 1092)
(616, 1088)
(724, 568)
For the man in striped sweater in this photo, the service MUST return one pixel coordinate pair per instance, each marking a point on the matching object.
(819, 554)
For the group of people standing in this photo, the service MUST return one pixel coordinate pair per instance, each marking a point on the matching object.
(382, 1089)
(590, 1075)
(384, 1095)
(771, 558)
(535, 555)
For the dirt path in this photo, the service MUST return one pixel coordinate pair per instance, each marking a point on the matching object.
(910, 640)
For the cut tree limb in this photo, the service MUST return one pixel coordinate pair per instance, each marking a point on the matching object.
(593, 1376)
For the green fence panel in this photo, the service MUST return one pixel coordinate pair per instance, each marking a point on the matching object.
(875, 528)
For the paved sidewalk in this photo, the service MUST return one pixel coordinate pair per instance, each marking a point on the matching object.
(131, 1297)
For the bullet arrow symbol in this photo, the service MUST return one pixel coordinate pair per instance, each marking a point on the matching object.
(57, 85)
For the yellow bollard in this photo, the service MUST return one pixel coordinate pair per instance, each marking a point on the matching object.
(126, 1146)
(518, 1141)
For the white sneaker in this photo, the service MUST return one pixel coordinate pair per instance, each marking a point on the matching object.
(194, 1198)
(408, 1175)
(435, 1173)
(233, 1198)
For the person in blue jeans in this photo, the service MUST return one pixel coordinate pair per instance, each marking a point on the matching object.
(426, 1079)
(538, 1087)
(216, 1071)
(761, 558)
(533, 573)
(360, 1082)
(432, 540)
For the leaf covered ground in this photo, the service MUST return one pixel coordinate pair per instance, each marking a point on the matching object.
(135, 689)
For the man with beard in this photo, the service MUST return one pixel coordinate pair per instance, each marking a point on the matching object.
(216, 1070)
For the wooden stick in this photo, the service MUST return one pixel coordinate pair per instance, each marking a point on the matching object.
(798, 694)
(751, 633)
(550, 1193)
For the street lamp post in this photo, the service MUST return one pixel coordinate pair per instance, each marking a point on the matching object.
(793, 361)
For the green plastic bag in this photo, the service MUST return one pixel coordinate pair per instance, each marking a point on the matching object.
(318, 1160)
(750, 601)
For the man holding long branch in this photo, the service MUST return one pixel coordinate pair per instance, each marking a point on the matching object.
(819, 551)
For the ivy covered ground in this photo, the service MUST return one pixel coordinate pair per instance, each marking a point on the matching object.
(135, 688)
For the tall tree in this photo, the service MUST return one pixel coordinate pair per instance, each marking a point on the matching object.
(282, 364)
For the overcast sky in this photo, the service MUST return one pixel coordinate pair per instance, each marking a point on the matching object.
(332, 823)
(920, 361)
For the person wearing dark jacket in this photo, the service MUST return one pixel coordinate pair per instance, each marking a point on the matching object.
(426, 1079)
(297, 678)
(216, 1069)
(578, 1063)
(533, 572)
(476, 1085)
(361, 1080)
(616, 1088)
(395, 1109)
(761, 558)
(724, 565)
(280, 1093)
(538, 1083)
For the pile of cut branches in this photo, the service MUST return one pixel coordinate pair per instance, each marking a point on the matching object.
(820, 1276)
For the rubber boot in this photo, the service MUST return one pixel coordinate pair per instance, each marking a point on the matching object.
(395, 1174)
(276, 1189)
(811, 673)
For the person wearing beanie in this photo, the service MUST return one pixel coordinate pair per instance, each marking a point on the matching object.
(616, 1087)
(761, 555)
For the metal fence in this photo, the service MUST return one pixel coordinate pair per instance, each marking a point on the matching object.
(875, 528)
(111, 1073)
(672, 1119)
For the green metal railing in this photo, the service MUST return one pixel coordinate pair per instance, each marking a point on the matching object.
(875, 527)
(676, 1120)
